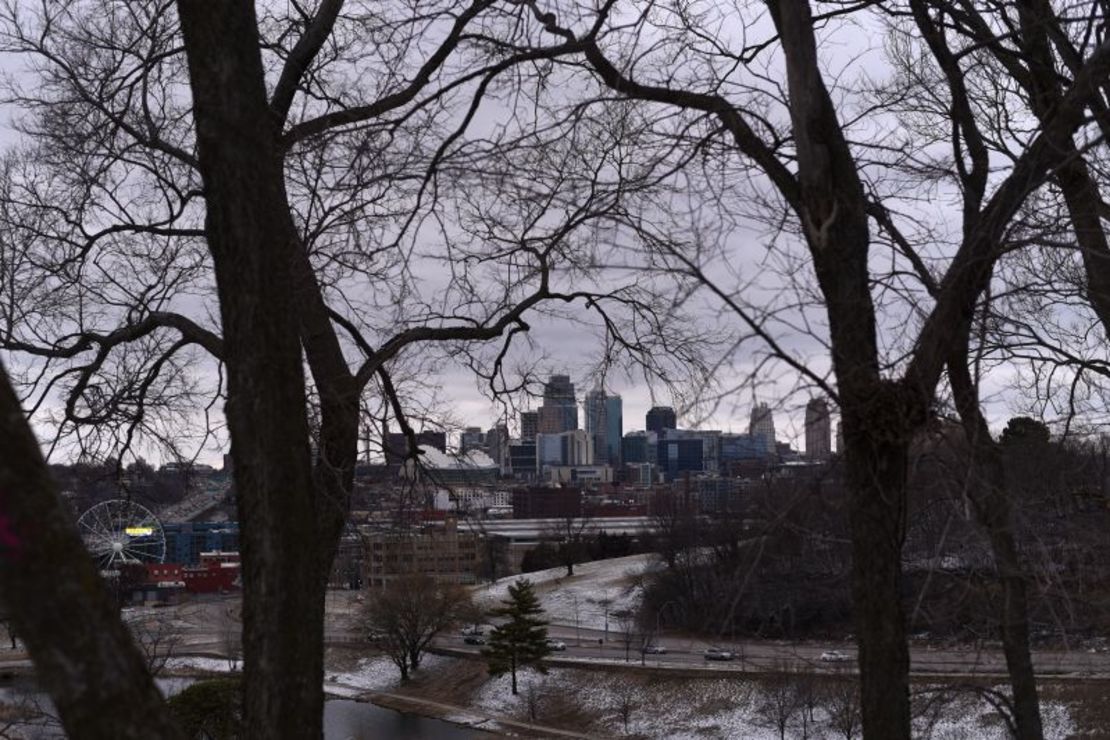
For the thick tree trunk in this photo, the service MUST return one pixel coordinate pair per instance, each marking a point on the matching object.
(993, 511)
(879, 417)
(877, 442)
(254, 248)
(994, 514)
(84, 656)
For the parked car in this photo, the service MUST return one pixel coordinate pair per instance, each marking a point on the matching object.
(556, 645)
(471, 630)
(474, 640)
(834, 656)
(655, 650)
(719, 654)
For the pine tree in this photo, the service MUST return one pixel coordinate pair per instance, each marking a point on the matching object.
(522, 640)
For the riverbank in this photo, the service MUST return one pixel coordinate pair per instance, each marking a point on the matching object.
(634, 704)
(584, 702)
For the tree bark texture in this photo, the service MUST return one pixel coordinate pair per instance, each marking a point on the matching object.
(84, 656)
(878, 416)
(254, 246)
(993, 511)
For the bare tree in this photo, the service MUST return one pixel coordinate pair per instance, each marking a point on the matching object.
(821, 182)
(23, 715)
(627, 625)
(86, 664)
(781, 700)
(231, 638)
(223, 129)
(647, 636)
(569, 535)
(158, 638)
(533, 698)
(409, 612)
(626, 705)
(236, 208)
(842, 707)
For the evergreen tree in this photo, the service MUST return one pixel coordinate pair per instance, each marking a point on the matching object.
(522, 640)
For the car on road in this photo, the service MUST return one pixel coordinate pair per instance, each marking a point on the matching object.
(719, 654)
(472, 630)
(556, 645)
(655, 650)
(474, 640)
(834, 656)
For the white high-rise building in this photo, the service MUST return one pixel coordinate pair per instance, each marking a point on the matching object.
(566, 449)
(762, 427)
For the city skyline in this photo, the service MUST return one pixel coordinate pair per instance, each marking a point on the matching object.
(637, 401)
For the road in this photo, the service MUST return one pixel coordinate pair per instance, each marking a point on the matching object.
(204, 626)
(772, 655)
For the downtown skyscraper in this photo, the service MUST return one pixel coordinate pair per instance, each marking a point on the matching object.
(762, 427)
(559, 412)
(605, 425)
(818, 430)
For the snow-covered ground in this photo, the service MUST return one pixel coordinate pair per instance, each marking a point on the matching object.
(698, 709)
(370, 674)
(596, 588)
(378, 673)
(197, 663)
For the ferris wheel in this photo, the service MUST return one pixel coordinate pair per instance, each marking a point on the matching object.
(118, 531)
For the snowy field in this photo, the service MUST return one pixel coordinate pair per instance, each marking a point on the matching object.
(595, 588)
(721, 708)
(616, 704)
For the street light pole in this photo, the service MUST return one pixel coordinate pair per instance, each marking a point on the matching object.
(577, 634)
(659, 614)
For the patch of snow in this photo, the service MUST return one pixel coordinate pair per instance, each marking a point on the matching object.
(377, 673)
(199, 663)
(697, 709)
(370, 674)
(597, 589)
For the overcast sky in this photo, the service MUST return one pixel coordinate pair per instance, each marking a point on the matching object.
(747, 252)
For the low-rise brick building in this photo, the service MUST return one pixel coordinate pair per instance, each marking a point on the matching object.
(442, 551)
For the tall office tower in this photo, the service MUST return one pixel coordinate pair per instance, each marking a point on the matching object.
(596, 423)
(471, 439)
(558, 393)
(529, 425)
(660, 418)
(818, 430)
(549, 420)
(614, 429)
(762, 427)
(497, 444)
